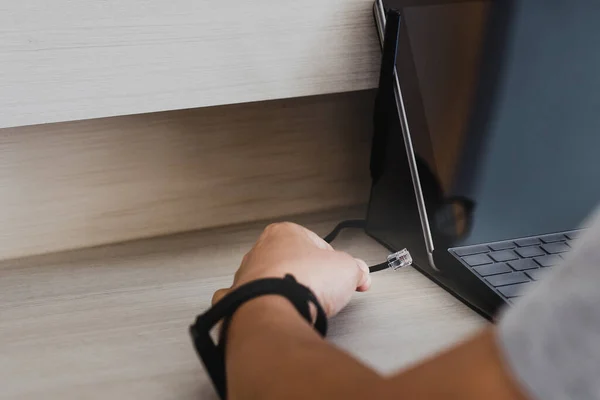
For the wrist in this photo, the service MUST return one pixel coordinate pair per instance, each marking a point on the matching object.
(270, 303)
(254, 314)
(265, 314)
(267, 309)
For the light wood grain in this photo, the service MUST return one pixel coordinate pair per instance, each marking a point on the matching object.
(111, 322)
(80, 184)
(68, 60)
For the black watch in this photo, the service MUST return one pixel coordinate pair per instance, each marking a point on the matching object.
(213, 355)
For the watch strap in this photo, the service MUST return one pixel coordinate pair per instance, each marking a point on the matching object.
(213, 355)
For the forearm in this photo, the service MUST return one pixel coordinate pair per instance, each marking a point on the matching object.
(273, 353)
(473, 370)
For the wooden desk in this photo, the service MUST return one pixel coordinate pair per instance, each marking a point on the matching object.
(111, 322)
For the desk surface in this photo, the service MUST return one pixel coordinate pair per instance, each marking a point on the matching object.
(111, 322)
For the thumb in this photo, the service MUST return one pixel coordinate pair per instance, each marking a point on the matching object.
(219, 294)
(364, 281)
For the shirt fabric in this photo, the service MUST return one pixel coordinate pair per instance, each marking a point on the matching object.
(550, 338)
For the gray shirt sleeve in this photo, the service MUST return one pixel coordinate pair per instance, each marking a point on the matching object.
(551, 337)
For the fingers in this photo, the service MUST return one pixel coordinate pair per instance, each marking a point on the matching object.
(364, 277)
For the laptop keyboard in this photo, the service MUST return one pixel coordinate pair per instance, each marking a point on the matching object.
(512, 266)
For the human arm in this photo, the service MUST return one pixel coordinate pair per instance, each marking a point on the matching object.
(272, 353)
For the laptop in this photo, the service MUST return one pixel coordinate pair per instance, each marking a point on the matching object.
(489, 159)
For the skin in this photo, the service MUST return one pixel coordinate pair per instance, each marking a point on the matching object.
(273, 353)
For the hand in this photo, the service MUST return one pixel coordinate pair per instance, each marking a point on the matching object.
(287, 248)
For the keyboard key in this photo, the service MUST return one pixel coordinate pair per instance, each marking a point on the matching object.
(527, 242)
(468, 251)
(502, 246)
(548, 261)
(573, 235)
(492, 269)
(524, 264)
(476, 260)
(537, 274)
(558, 237)
(527, 252)
(504, 255)
(555, 248)
(507, 279)
(513, 290)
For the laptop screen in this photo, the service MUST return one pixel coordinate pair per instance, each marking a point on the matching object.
(510, 98)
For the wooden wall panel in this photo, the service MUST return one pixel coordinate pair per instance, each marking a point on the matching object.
(87, 183)
(64, 60)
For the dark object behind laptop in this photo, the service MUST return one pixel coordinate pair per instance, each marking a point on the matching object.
(500, 100)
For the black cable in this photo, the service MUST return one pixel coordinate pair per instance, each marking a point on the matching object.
(354, 223)
(379, 267)
(351, 223)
